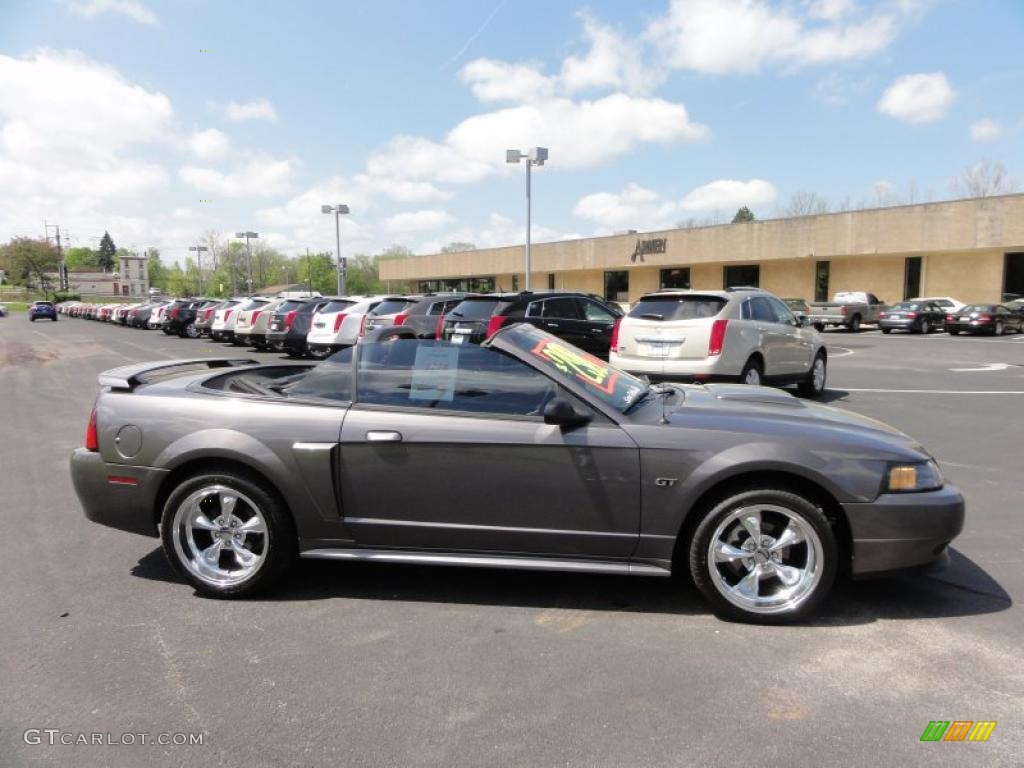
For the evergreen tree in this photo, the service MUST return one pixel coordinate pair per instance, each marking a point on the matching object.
(107, 252)
(743, 214)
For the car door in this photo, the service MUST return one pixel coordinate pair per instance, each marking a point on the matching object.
(598, 323)
(445, 448)
(771, 340)
(796, 344)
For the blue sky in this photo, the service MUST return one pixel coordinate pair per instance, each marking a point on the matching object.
(113, 115)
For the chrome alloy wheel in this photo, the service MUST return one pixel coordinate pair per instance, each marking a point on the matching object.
(753, 376)
(220, 536)
(765, 559)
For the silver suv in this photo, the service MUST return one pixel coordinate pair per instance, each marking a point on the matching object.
(745, 335)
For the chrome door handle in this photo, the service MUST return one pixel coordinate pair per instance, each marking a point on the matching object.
(551, 325)
(377, 436)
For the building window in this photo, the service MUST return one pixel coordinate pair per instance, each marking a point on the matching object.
(461, 285)
(821, 272)
(616, 285)
(743, 274)
(1013, 276)
(551, 281)
(515, 283)
(911, 277)
(675, 277)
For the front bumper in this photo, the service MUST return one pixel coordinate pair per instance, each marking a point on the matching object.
(904, 530)
(108, 497)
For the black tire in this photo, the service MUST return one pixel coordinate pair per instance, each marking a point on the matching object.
(998, 330)
(819, 327)
(797, 507)
(318, 354)
(54, 319)
(924, 328)
(752, 365)
(954, 332)
(280, 546)
(887, 331)
(190, 331)
(854, 326)
(810, 387)
(31, 319)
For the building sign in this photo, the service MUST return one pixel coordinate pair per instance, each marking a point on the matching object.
(643, 247)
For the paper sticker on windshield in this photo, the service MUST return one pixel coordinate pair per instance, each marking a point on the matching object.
(580, 365)
(433, 373)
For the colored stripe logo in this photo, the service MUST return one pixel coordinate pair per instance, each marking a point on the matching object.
(958, 730)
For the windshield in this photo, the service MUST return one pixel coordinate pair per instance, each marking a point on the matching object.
(474, 309)
(562, 360)
(906, 305)
(979, 308)
(336, 306)
(393, 306)
(677, 307)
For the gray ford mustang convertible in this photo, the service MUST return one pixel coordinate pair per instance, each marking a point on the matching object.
(523, 452)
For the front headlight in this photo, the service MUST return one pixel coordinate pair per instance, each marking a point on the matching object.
(907, 478)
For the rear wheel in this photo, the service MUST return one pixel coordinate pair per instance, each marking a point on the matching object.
(319, 353)
(998, 330)
(227, 535)
(954, 332)
(887, 330)
(191, 331)
(814, 384)
(752, 373)
(924, 328)
(766, 556)
(854, 326)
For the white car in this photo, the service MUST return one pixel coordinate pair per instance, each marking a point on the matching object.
(745, 335)
(223, 326)
(251, 325)
(156, 317)
(948, 303)
(339, 323)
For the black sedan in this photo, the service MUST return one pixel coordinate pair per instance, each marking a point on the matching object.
(913, 317)
(993, 319)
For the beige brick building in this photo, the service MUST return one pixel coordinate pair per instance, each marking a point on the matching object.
(972, 250)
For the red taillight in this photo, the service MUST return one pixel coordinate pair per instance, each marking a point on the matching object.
(495, 323)
(400, 319)
(362, 325)
(92, 441)
(984, 319)
(842, 310)
(255, 316)
(173, 313)
(949, 318)
(717, 340)
(338, 321)
(439, 331)
(207, 314)
(227, 314)
(290, 318)
(615, 334)
(911, 315)
(883, 314)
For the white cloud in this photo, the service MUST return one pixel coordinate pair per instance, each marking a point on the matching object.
(498, 231)
(417, 221)
(831, 10)
(301, 217)
(130, 8)
(258, 109)
(493, 80)
(208, 144)
(400, 190)
(611, 62)
(260, 176)
(182, 213)
(919, 98)
(986, 129)
(742, 36)
(726, 194)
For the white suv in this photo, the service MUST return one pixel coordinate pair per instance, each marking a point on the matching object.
(745, 335)
(338, 324)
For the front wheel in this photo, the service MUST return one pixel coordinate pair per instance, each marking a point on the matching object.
(887, 330)
(765, 556)
(954, 332)
(814, 384)
(227, 535)
(925, 329)
(998, 330)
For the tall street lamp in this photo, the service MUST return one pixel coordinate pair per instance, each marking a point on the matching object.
(199, 262)
(248, 252)
(535, 156)
(337, 210)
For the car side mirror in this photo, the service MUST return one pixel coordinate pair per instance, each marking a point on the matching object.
(803, 321)
(560, 412)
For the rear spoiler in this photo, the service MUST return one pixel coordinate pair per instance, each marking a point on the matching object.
(128, 377)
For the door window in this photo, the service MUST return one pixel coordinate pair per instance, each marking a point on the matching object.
(761, 310)
(563, 309)
(441, 376)
(596, 313)
(782, 312)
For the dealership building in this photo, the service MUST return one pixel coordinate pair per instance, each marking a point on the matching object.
(972, 250)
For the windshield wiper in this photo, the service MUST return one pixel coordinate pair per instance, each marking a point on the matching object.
(653, 316)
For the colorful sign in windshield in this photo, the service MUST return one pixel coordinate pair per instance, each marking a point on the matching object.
(580, 365)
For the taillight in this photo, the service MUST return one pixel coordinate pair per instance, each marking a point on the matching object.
(362, 325)
(911, 315)
(495, 323)
(439, 331)
(883, 314)
(400, 319)
(842, 310)
(615, 334)
(173, 313)
(290, 318)
(255, 316)
(227, 314)
(338, 321)
(949, 318)
(92, 441)
(717, 340)
(984, 319)
(207, 314)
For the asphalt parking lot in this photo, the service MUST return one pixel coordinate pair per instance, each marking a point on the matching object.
(358, 664)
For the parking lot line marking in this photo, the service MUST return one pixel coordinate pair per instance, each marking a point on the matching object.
(989, 367)
(940, 391)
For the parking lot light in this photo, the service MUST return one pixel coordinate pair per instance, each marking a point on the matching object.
(248, 252)
(536, 156)
(337, 210)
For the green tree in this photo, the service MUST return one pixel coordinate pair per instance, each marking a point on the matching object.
(158, 272)
(81, 258)
(743, 214)
(30, 262)
(458, 246)
(107, 253)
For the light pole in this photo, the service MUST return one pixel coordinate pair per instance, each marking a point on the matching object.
(337, 210)
(535, 156)
(199, 263)
(248, 253)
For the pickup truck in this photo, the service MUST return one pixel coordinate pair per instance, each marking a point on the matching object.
(850, 309)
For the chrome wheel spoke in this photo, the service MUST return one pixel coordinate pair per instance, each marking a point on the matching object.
(253, 525)
(726, 553)
(203, 523)
(210, 556)
(788, 575)
(749, 585)
(243, 556)
(227, 505)
(751, 523)
(789, 537)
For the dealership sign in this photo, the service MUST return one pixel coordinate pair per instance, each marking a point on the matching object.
(643, 247)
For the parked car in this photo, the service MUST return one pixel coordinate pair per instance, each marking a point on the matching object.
(249, 316)
(178, 315)
(204, 317)
(393, 310)
(289, 324)
(3, 310)
(582, 319)
(139, 317)
(849, 309)
(223, 328)
(797, 306)
(1016, 306)
(42, 310)
(156, 317)
(522, 452)
(913, 317)
(744, 335)
(948, 303)
(993, 319)
(338, 323)
(423, 314)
